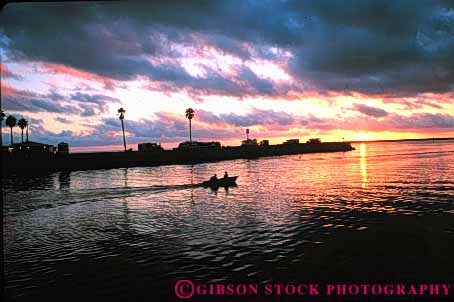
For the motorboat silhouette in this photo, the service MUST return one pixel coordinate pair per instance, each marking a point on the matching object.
(220, 182)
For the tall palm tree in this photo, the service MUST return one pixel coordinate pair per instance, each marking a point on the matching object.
(22, 123)
(189, 115)
(11, 122)
(2, 116)
(122, 112)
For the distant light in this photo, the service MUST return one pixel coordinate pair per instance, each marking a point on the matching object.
(363, 136)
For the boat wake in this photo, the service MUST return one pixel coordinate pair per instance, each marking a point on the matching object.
(17, 202)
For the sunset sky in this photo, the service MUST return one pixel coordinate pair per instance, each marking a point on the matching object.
(358, 70)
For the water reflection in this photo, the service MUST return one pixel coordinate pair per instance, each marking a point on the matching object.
(215, 190)
(64, 179)
(192, 183)
(137, 223)
(125, 176)
(363, 163)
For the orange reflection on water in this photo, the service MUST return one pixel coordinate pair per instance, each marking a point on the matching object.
(363, 165)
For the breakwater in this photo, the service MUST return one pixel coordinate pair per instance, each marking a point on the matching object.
(33, 163)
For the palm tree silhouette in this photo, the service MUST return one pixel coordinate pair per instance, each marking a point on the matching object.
(2, 116)
(22, 123)
(122, 112)
(11, 122)
(189, 115)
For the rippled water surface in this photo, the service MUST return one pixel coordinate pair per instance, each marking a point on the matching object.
(114, 231)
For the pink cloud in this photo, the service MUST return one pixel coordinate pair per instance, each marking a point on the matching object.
(6, 73)
(8, 89)
(108, 83)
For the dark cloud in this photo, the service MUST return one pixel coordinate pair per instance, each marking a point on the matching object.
(88, 102)
(255, 117)
(97, 99)
(63, 120)
(24, 101)
(369, 46)
(422, 121)
(87, 111)
(418, 103)
(373, 46)
(377, 46)
(370, 111)
(54, 102)
(99, 38)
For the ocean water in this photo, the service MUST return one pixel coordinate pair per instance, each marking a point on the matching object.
(113, 232)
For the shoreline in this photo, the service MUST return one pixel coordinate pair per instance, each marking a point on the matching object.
(31, 163)
(402, 140)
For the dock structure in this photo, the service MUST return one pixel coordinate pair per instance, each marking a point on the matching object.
(13, 162)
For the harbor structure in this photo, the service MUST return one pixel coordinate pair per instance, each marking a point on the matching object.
(147, 147)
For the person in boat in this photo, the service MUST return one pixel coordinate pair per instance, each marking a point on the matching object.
(226, 175)
(214, 178)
